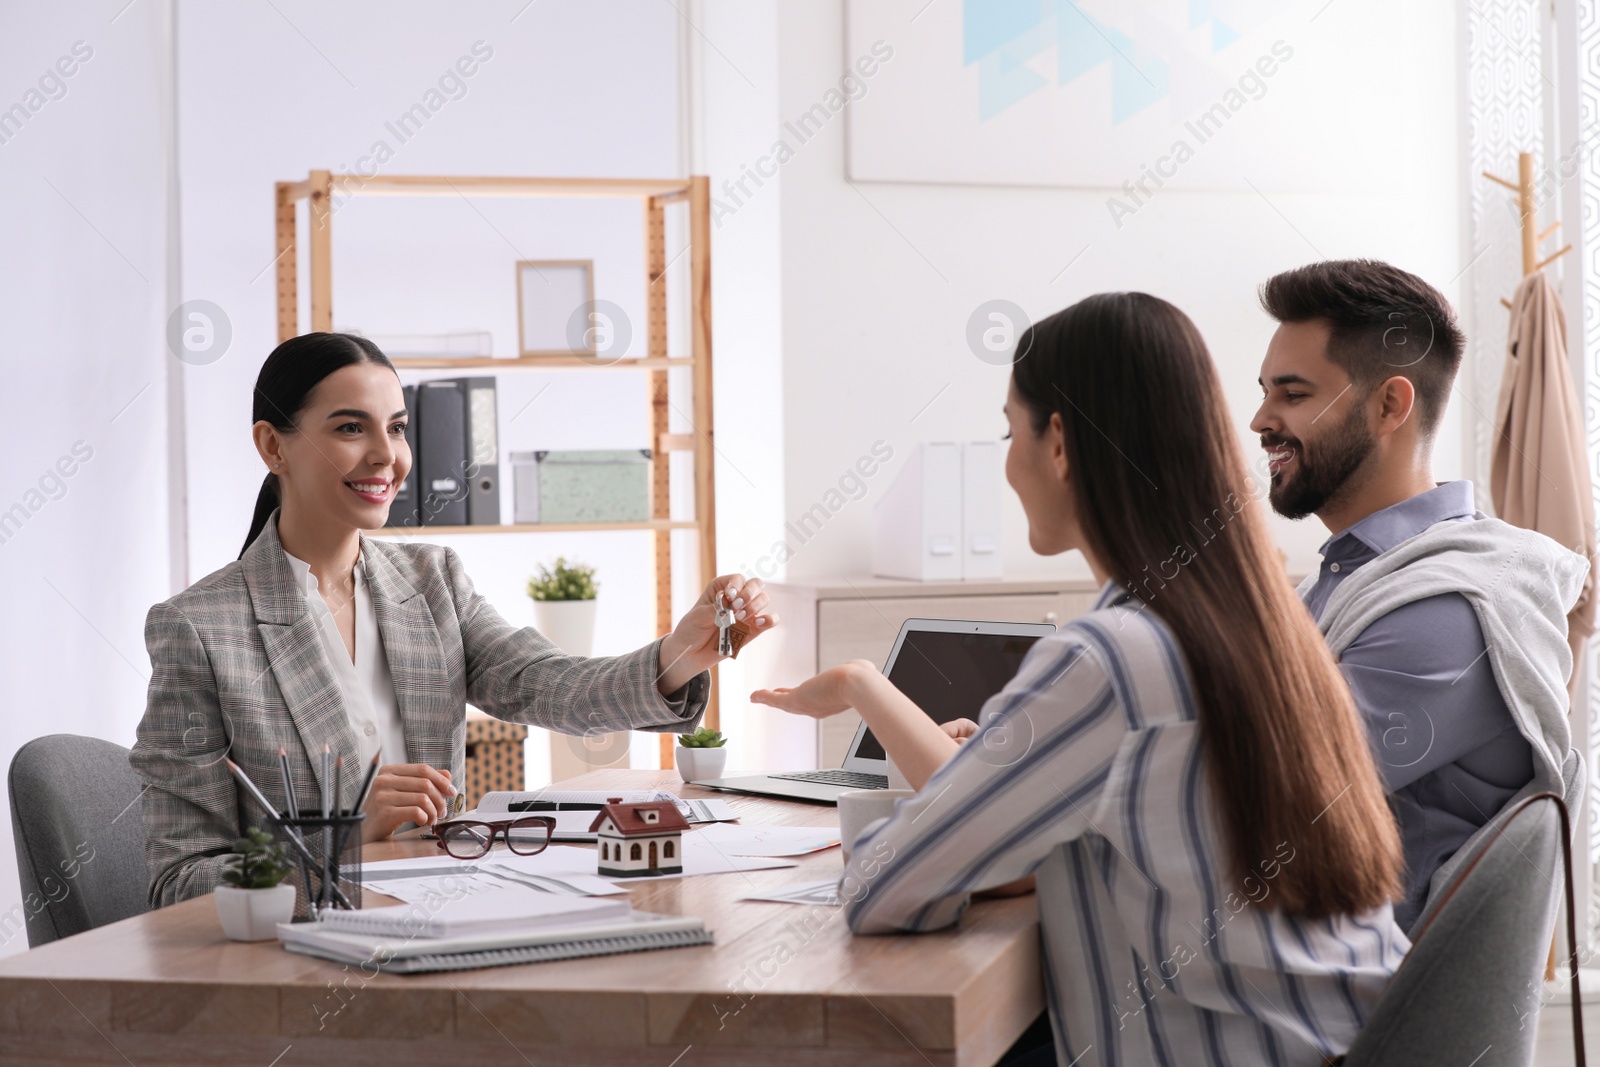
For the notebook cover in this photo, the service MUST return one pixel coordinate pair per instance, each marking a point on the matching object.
(597, 939)
(505, 957)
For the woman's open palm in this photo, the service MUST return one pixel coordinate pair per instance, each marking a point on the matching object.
(819, 696)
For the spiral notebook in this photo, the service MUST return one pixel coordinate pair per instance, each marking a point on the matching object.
(640, 931)
(505, 911)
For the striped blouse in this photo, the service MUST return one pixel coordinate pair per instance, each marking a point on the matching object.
(1087, 771)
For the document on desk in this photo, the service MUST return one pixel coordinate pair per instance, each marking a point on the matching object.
(558, 869)
(823, 891)
(550, 801)
(564, 861)
(762, 840)
(430, 878)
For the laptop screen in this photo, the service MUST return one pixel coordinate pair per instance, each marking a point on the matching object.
(950, 675)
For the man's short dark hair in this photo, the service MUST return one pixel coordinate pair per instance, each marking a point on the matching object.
(1385, 322)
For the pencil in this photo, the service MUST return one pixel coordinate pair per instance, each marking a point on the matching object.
(366, 783)
(294, 813)
(288, 784)
(327, 813)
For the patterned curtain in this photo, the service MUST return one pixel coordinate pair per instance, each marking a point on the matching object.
(1516, 91)
(1581, 162)
(1507, 96)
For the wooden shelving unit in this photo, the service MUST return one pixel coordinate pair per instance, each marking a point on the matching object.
(319, 190)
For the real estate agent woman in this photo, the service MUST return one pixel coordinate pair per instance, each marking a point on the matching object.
(319, 635)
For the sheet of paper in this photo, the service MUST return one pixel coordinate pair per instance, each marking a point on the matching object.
(421, 865)
(502, 801)
(824, 891)
(571, 882)
(761, 840)
(418, 880)
(441, 887)
(563, 860)
(497, 806)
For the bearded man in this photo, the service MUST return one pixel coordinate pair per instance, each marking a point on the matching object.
(1449, 626)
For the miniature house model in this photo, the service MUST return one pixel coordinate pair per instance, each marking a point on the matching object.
(640, 839)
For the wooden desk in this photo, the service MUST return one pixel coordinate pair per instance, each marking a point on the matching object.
(784, 984)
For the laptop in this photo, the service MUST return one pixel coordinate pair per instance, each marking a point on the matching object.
(948, 668)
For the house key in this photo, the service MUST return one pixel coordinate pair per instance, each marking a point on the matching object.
(724, 621)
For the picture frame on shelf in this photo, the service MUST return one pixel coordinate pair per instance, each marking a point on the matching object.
(551, 294)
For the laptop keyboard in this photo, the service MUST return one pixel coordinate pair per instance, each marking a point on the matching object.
(850, 779)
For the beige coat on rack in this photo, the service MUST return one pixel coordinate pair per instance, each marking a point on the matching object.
(1539, 477)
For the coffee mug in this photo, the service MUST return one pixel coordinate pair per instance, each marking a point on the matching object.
(858, 807)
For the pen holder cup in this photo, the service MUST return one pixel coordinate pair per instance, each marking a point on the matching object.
(335, 883)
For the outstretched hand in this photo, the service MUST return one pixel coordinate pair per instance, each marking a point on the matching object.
(692, 645)
(818, 696)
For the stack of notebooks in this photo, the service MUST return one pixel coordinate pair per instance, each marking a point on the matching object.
(488, 930)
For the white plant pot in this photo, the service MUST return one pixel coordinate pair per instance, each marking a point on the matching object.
(569, 624)
(699, 764)
(254, 914)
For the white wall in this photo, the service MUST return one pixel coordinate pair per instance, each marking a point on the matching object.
(878, 280)
(731, 100)
(82, 265)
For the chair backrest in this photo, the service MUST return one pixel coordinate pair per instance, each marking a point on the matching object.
(1469, 989)
(79, 834)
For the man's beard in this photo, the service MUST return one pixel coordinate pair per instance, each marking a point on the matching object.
(1320, 476)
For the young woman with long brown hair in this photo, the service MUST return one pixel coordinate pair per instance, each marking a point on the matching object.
(1182, 768)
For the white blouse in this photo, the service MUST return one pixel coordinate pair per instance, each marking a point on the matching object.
(365, 685)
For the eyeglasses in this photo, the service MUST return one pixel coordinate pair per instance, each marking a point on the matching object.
(468, 839)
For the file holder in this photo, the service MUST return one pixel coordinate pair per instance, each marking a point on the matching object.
(341, 833)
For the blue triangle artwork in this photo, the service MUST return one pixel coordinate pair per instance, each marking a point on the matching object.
(1004, 37)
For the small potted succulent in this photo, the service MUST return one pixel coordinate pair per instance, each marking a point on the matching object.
(700, 756)
(254, 898)
(563, 603)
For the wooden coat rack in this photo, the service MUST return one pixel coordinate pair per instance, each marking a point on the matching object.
(1531, 263)
(1527, 213)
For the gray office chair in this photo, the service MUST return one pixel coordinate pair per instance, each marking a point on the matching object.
(79, 834)
(1468, 992)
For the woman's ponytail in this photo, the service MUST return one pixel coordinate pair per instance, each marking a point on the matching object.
(284, 385)
(266, 501)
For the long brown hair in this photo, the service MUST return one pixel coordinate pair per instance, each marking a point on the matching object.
(1166, 505)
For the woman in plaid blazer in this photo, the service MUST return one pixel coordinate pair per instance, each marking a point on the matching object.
(240, 664)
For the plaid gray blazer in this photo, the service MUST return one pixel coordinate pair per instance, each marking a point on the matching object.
(237, 671)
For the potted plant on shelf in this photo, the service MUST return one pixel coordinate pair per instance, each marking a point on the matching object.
(700, 756)
(254, 898)
(563, 604)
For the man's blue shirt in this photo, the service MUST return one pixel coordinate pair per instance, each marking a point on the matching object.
(1449, 751)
